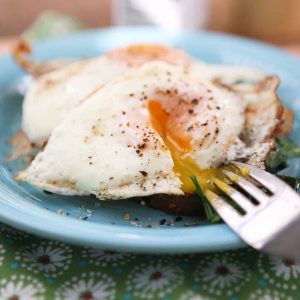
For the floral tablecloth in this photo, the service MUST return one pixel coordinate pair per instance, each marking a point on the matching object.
(35, 268)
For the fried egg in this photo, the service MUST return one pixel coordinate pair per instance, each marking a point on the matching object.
(53, 95)
(150, 130)
(238, 78)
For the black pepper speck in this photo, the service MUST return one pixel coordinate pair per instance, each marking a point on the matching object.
(162, 222)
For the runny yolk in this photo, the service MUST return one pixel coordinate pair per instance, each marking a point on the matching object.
(179, 143)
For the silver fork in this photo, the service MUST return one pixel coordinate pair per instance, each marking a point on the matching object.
(272, 224)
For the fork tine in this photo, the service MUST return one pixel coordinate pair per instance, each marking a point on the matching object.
(226, 211)
(269, 181)
(248, 187)
(238, 197)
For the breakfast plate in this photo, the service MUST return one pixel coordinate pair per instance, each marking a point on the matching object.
(126, 225)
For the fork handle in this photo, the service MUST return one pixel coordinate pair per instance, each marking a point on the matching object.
(286, 243)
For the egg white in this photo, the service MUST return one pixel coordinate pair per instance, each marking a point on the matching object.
(52, 96)
(100, 147)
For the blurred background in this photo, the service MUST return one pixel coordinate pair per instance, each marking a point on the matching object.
(275, 21)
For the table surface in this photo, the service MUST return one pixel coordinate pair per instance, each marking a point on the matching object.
(32, 267)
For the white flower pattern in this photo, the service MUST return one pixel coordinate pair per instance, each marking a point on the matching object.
(285, 268)
(154, 280)
(89, 286)
(103, 258)
(180, 258)
(12, 233)
(48, 258)
(216, 276)
(280, 272)
(21, 287)
(2, 251)
(191, 295)
(221, 274)
(267, 294)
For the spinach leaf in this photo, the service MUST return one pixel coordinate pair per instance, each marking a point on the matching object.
(288, 147)
(210, 212)
(276, 161)
(284, 149)
(293, 182)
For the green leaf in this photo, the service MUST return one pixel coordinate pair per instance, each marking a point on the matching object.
(211, 214)
(276, 161)
(284, 149)
(293, 182)
(287, 147)
(244, 81)
(240, 81)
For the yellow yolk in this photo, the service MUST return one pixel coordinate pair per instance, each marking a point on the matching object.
(179, 144)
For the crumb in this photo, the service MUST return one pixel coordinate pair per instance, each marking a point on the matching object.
(162, 222)
(126, 217)
(28, 159)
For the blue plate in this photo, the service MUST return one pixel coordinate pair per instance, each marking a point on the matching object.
(35, 211)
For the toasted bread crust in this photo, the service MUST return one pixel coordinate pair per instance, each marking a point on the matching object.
(187, 205)
(286, 122)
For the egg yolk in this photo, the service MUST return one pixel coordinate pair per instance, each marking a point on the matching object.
(178, 142)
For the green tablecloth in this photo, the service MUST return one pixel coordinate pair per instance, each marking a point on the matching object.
(35, 268)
